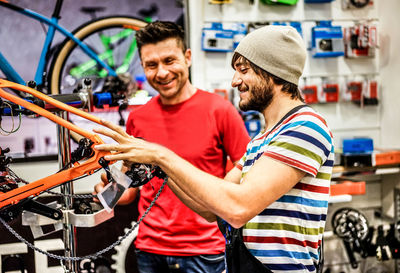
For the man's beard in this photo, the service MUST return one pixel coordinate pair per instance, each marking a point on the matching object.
(260, 97)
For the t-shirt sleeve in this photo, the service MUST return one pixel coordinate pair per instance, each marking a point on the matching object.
(129, 124)
(304, 145)
(233, 133)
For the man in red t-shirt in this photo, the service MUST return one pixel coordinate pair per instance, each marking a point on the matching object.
(199, 126)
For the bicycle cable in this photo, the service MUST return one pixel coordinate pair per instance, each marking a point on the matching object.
(7, 133)
(90, 256)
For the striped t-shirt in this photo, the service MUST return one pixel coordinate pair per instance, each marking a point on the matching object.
(287, 234)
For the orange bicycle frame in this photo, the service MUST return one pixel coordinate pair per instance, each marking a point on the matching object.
(12, 197)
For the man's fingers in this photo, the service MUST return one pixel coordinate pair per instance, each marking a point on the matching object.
(106, 147)
(112, 134)
(98, 187)
(118, 148)
(114, 127)
(116, 157)
(103, 131)
(104, 178)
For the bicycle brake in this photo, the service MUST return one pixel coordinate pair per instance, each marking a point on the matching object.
(84, 150)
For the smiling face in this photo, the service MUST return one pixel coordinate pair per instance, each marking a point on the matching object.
(167, 69)
(256, 92)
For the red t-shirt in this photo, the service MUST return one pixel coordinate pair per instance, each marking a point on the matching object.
(204, 130)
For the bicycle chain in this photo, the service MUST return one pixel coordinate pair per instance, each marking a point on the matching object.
(90, 256)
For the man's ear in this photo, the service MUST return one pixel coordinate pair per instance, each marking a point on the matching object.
(188, 57)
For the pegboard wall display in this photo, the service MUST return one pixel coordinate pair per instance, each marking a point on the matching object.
(341, 75)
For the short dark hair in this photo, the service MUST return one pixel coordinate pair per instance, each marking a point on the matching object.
(159, 31)
(287, 87)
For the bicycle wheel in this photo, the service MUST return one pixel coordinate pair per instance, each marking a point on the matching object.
(111, 38)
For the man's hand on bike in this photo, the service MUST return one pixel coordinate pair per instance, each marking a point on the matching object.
(127, 197)
(100, 186)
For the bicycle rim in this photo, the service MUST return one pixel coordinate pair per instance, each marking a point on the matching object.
(113, 40)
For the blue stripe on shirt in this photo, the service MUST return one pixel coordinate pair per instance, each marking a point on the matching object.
(303, 201)
(290, 267)
(250, 162)
(328, 163)
(283, 253)
(309, 139)
(310, 125)
(294, 214)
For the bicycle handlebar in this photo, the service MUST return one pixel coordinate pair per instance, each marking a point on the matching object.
(82, 100)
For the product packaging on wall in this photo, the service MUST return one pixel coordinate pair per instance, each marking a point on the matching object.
(360, 40)
(341, 74)
(361, 90)
(222, 37)
(326, 40)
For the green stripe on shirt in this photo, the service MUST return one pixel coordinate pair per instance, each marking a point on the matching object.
(287, 227)
(297, 149)
(326, 176)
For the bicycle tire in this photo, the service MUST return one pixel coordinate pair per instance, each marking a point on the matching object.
(89, 33)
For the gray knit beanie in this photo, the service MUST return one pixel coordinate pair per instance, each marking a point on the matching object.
(278, 50)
